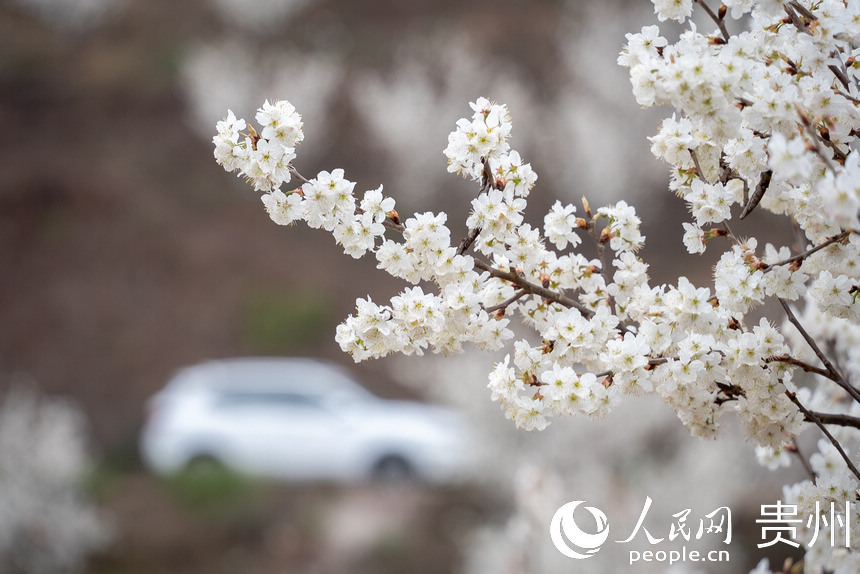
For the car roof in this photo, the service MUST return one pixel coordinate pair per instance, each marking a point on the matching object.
(263, 374)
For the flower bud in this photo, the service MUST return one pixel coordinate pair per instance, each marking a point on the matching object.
(606, 235)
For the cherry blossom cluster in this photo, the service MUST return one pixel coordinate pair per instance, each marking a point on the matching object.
(764, 119)
(767, 119)
(262, 158)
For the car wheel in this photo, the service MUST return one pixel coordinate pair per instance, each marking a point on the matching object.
(393, 468)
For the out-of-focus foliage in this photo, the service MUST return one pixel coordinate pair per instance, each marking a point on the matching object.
(275, 322)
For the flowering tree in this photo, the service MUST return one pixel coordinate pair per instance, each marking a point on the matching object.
(48, 525)
(764, 119)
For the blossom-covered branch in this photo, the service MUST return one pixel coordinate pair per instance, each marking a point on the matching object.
(772, 109)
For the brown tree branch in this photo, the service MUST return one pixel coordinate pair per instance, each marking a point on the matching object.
(795, 19)
(487, 182)
(848, 97)
(835, 419)
(468, 240)
(795, 448)
(601, 252)
(720, 22)
(841, 156)
(530, 287)
(840, 75)
(802, 364)
(833, 374)
(298, 176)
(803, 11)
(504, 304)
(811, 416)
(805, 254)
(815, 137)
(695, 157)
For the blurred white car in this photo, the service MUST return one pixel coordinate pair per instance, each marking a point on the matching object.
(297, 419)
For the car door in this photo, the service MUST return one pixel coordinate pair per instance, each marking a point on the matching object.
(287, 434)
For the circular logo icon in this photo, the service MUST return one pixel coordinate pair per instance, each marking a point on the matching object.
(582, 544)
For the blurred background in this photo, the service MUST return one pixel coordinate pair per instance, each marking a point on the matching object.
(127, 253)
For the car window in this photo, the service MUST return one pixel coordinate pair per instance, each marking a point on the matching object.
(241, 399)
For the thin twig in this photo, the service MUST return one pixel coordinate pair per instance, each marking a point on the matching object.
(721, 23)
(504, 304)
(299, 176)
(811, 416)
(601, 253)
(530, 287)
(798, 363)
(696, 163)
(848, 96)
(805, 254)
(834, 375)
(841, 156)
(651, 363)
(840, 75)
(729, 233)
(729, 174)
(487, 182)
(813, 135)
(795, 448)
(387, 222)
